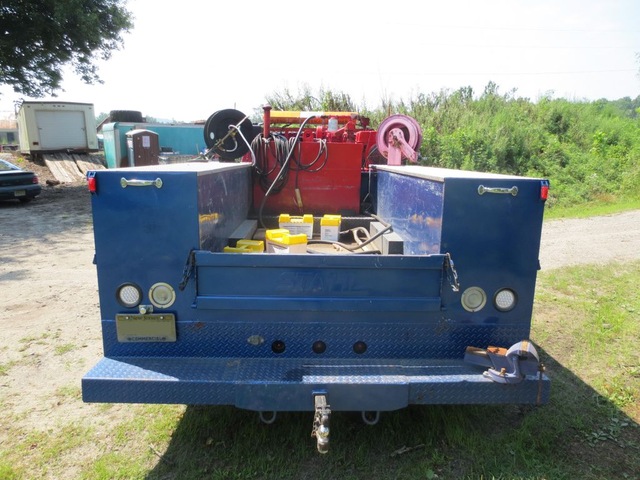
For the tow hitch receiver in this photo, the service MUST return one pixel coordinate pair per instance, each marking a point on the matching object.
(506, 366)
(321, 423)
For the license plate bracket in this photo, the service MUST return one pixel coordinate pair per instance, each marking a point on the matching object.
(150, 327)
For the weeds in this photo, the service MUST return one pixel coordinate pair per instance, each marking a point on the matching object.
(4, 369)
(62, 349)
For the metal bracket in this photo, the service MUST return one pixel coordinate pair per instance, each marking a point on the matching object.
(124, 183)
(482, 190)
(321, 423)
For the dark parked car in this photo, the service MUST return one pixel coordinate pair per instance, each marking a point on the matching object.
(16, 183)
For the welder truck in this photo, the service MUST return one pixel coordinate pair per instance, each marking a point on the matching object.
(308, 263)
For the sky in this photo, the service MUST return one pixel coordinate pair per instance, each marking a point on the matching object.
(186, 59)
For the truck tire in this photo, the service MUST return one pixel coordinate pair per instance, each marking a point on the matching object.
(126, 116)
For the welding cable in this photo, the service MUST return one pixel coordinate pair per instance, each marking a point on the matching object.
(283, 169)
(274, 147)
(363, 252)
(355, 231)
(309, 166)
(253, 156)
(351, 248)
(377, 218)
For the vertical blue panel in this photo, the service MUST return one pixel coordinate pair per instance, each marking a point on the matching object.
(414, 207)
(223, 203)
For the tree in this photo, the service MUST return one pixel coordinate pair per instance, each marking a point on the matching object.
(39, 37)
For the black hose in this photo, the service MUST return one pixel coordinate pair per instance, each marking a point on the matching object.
(283, 171)
(351, 248)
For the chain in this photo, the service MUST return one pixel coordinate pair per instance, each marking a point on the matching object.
(321, 423)
(188, 269)
(452, 274)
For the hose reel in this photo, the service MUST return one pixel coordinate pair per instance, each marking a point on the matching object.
(399, 136)
(221, 136)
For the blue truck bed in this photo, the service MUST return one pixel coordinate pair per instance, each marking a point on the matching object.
(366, 332)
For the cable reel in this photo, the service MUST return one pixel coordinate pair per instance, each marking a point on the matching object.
(222, 138)
(399, 136)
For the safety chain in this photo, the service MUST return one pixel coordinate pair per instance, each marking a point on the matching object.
(188, 269)
(452, 274)
(321, 423)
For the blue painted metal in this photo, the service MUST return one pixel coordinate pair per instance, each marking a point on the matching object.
(247, 323)
(289, 384)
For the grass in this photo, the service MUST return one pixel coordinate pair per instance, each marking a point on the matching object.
(65, 348)
(4, 369)
(587, 329)
(599, 206)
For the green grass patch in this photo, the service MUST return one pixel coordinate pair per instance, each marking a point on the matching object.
(7, 471)
(115, 466)
(69, 392)
(4, 369)
(66, 348)
(590, 209)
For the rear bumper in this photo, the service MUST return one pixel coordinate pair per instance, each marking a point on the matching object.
(24, 191)
(290, 384)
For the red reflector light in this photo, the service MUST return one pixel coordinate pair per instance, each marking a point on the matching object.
(91, 183)
(35, 179)
(544, 190)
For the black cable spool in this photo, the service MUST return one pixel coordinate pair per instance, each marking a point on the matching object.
(217, 127)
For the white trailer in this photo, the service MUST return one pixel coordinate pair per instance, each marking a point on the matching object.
(46, 127)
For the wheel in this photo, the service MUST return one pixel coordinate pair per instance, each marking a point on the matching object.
(126, 116)
(217, 128)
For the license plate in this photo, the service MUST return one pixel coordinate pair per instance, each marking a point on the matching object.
(19, 193)
(153, 327)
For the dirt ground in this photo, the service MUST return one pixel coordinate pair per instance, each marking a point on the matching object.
(49, 315)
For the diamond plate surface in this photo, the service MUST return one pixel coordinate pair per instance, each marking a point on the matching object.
(254, 340)
(289, 384)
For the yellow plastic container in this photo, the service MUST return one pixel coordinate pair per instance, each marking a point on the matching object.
(256, 246)
(330, 227)
(281, 241)
(246, 246)
(295, 225)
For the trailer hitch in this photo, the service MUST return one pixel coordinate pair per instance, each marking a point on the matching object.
(321, 423)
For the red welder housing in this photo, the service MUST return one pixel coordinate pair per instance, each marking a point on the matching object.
(324, 171)
(331, 185)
